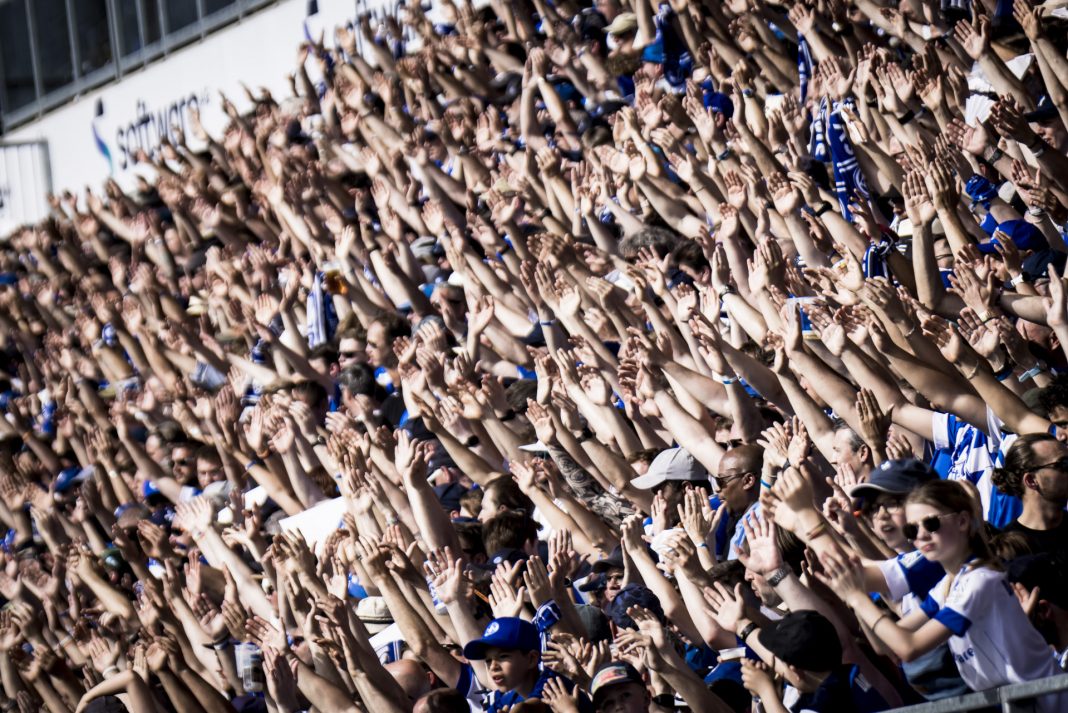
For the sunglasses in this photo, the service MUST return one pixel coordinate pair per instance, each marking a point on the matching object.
(1060, 464)
(931, 524)
(892, 506)
(721, 480)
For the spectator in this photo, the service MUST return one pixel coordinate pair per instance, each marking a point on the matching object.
(588, 356)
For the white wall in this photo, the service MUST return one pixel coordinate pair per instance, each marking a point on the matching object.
(260, 50)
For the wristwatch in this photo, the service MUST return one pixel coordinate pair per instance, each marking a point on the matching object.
(778, 575)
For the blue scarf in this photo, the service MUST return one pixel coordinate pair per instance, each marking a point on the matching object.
(804, 64)
(830, 142)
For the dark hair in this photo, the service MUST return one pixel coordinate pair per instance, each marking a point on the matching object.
(446, 700)
(1054, 395)
(395, 326)
(855, 441)
(472, 499)
(470, 536)
(518, 392)
(661, 240)
(312, 391)
(1020, 459)
(1010, 545)
(691, 254)
(326, 352)
(508, 530)
(505, 491)
(646, 455)
(358, 379)
(953, 497)
(729, 573)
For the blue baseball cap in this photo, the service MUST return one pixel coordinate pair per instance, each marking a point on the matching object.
(69, 477)
(1024, 235)
(633, 595)
(505, 633)
(718, 102)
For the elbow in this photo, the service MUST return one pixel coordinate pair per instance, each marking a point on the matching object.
(908, 653)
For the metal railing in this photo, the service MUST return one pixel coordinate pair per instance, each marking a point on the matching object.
(1017, 698)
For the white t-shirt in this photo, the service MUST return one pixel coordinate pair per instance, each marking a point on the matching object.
(993, 642)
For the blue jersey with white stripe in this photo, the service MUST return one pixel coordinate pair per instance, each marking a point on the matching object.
(974, 455)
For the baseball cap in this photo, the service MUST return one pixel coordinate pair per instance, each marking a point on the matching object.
(896, 477)
(612, 561)
(623, 22)
(613, 673)
(508, 632)
(633, 595)
(672, 464)
(374, 614)
(535, 447)
(449, 495)
(69, 477)
(718, 102)
(805, 639)
(1024, 235)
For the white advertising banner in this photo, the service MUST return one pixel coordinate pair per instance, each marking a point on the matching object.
(24, 183)
(96, 135)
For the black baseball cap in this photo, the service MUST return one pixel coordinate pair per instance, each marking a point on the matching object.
(805, 639)
(896, 477)
(612, 561)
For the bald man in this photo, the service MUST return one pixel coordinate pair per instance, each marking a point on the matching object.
(738, 486)
(412, 677)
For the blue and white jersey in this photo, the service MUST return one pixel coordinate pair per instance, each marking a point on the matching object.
(993, 642)
(471, 688)
(909, 577)
(974, 457)
(739, 530)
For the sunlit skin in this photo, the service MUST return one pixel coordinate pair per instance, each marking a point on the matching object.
(949, 546)
(624, 698)
(613, 583)
(512, 670)
(887, 516)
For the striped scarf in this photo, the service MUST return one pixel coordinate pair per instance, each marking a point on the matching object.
(830, 142)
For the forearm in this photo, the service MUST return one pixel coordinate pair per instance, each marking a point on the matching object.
(178, 693)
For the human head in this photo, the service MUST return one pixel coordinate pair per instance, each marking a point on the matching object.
(949, 508)
(442, 700)
(411, 677)
(669, 474)
(1033, 469)
(617, 687)
(612, 568)
(511, 649)
(501, 494)
(849, 449)
(510, 530)
(1044, 572)
(184, 462)
(352, 347)
(208, 466)
(806, 648)
(738, 481)
(883, 497)
(1054, 402)
(380, 337)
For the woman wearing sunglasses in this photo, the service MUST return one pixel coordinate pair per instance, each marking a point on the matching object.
(1036, 471)
(972, 608)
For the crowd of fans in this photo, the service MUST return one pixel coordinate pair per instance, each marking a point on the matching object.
(552, 357)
